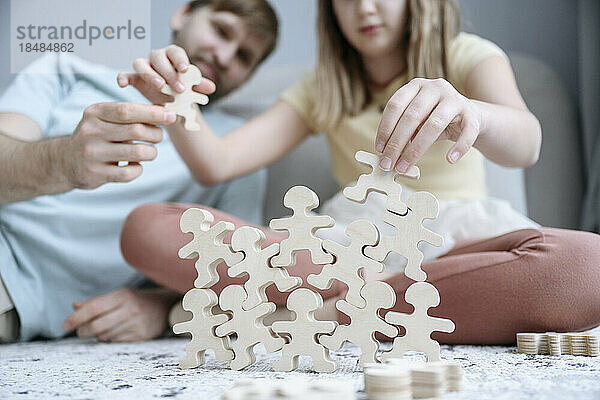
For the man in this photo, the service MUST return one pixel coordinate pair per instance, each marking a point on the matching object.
(69, 142)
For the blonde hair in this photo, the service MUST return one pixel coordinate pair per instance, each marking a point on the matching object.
(342, 83)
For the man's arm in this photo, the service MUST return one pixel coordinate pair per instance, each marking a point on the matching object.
(30, 167)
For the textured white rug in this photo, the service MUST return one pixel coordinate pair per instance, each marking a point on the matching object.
(85, 369)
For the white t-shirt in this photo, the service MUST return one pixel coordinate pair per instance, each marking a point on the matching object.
(55, 250)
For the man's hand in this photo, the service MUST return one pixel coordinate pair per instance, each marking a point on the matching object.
(161, 67)
(126, 315)
(104, 137)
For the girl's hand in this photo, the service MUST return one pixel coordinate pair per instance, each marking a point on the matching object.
(420, 113)
(161, 67)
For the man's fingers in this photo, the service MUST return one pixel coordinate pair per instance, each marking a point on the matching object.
(130, 152)
(104, 323)
(129, 113)
(125, 337)
(129, 132)
(91, 309)
(393, 111)
(125, 173)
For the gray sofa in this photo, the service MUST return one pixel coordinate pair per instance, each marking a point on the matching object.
(549, 192)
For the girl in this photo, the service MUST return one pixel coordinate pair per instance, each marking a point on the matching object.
(394, 76)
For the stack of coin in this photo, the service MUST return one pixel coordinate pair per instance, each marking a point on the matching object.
(565, 344)
(431, 379)
(388, 383)
(592, 344)
(428, 380)
(290, 389)
(454, 376)
(543, 345)
(554, 346)
(528, 343)
(578, 344)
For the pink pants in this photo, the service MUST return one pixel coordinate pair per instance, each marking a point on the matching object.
(532, 280)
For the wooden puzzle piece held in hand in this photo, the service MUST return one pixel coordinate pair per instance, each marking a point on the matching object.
(409, 232)
(379, 181)
(419, 324)
(364, 322)
(304, 330)
(207, 245)
(248, 326)
(248, 240)
(350, 261)
(202, 327)
(301, 227)
(184, 103)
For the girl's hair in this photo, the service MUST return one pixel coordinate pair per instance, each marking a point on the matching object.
(342, 83)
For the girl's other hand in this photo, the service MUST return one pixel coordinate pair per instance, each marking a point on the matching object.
(420, 113)
(161, 67)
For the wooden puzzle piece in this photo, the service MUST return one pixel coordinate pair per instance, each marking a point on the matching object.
(349, 261)
(364, 322)
(248, 326)
(207, 245)
(557, 344)
(301, 227)
(304, 330)
(183, 104)
(248, 240)
(202, 326)
(419, 324)
(379, 181)
(410, 232)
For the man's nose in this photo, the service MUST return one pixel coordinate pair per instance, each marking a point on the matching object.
(225, 54)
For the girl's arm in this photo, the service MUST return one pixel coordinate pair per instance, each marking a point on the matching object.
(492, 117)
(210, 158)
(511, 135)
(261, 141)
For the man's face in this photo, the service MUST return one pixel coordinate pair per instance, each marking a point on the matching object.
(219, 43)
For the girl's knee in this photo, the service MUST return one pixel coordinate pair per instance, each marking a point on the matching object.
(575, 256)
(141, 225)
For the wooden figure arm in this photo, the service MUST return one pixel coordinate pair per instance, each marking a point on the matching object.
(280, 223)
(345, 307)
(237, 270)
(387, 329)
(225, 329)
(444, 325)
(397, 318)
(282, 326)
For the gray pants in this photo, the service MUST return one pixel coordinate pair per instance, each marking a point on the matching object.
(9, 319)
